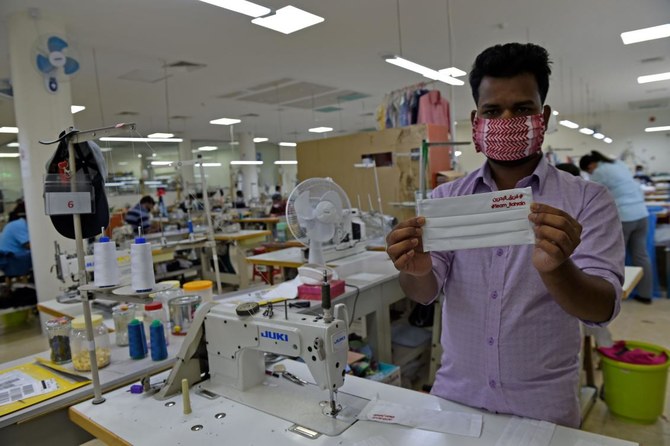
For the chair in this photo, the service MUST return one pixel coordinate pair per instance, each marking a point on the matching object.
(266, 273)
(14, 268)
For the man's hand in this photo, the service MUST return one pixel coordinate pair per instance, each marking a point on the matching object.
(405, 247)
(557, 235)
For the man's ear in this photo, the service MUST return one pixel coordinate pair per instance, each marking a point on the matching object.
(473, 115)
(546, 113)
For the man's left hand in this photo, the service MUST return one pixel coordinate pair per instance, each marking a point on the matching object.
(557, 235)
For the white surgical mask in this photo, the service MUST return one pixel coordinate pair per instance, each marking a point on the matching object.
(477, 221)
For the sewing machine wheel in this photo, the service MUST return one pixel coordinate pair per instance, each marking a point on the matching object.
(247, 309)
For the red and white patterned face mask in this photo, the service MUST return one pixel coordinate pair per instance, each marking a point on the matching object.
(508, 139)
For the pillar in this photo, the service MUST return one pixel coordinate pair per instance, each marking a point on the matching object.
(248, 153)
(39, 115)
(186, 172)
(289, 172)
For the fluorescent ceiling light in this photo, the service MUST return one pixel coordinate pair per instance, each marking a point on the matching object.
(225, 121)
(161, 135)
(555, 113)
(211, 164)
(246, 163)
(458, 153)
(241, 6)
(260, 139)
(207, 148)
(9, 155)
(644, 34)
(105, 149)
(133, 139)
(653, 78)
(280, 162)
(442, 75)
(13, 144)
(598, 136)
(321, 129)
(123, 163)
(139, 155)
(608, 140)
(663, 128)
(288, 19)
(9, 130)
(569, 124)
(76, 108)
(160, 163)
(115, 184)
(153, 183)
(586, 131)
(452, 71)
(288, 144)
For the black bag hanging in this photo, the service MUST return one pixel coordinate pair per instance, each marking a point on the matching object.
(89, 162)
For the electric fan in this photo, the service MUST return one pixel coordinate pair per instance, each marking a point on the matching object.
(318, 211)
(53, 61)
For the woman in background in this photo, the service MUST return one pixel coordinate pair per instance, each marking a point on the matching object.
(633, 213)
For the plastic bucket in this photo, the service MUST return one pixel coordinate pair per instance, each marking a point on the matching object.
(636, 392)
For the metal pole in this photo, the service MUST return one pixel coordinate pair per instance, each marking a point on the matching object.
(379, 199)
(422, 169)
(210, 230)
(81, 263)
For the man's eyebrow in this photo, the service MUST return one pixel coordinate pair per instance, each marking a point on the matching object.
(528, 102)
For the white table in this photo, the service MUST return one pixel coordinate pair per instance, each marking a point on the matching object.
(127, 419)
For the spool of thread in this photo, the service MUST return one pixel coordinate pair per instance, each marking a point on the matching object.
(185, 396)
(141, 266)
(158, 344)
(137, 342)
(105, 267)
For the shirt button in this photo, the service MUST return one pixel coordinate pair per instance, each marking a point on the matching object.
(500, 252)
(494, 295)
(491, 341)
(492, 384)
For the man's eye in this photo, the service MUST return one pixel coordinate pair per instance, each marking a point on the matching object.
(489, 113)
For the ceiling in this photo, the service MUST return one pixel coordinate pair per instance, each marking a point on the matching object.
(278, 81)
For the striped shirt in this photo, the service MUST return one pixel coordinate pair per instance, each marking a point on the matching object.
(508, 346)
(139, 215)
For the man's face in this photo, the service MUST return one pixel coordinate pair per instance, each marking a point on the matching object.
(148, 206)
(509, 97)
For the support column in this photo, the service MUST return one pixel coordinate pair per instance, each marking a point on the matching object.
(187, 175)
(289, 172)
(248, 153)
(39, 115)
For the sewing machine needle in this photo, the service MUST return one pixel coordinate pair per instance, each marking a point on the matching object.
(333, 404)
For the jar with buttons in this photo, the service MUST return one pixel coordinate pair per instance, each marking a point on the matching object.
(79, 343)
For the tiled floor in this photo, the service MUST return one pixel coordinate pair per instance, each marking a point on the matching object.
(650, 323)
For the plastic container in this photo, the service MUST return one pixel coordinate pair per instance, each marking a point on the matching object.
(182, 310)
(636, 392)
(282, 226)
(166, 295)
(154, 312)
(202, 288)
(79, 344)
(122, 315)
(58, 331)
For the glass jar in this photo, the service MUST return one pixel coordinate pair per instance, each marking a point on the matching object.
(122, 315)
(58, 331)
(203, 288)
(79, 343)
(166, 296)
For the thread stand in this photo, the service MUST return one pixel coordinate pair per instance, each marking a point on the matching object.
(72, 137)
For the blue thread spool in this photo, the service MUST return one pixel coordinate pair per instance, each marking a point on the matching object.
(157, 337)
(137, 342)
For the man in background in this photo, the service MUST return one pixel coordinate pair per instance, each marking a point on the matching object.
(15, 241)
(140, 216)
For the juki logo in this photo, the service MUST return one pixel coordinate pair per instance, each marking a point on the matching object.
(274, 335)
(340, 339)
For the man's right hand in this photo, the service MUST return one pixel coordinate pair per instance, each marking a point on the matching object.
(404, 245)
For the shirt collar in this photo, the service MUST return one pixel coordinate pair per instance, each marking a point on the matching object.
(536, 180)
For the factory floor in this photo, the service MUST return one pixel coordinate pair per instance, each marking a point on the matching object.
(649, 323)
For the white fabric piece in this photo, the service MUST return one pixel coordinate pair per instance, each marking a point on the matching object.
(526, 432)
(477, 221)
(458, 423)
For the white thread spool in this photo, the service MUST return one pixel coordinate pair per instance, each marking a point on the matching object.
(105, 267)
(141, 266)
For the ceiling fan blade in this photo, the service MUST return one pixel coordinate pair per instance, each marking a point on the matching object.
(71, 66)
(43, 64)
(55, 43)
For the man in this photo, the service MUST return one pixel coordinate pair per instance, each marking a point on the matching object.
(140, 215)
(15, 241)
(510, 323)
(642, 177)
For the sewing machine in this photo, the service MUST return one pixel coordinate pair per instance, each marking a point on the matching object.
(224, 353)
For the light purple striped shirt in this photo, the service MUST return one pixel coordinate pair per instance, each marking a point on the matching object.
(508, 346)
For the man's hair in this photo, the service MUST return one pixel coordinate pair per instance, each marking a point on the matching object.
(147, 199)
(509, 60)
(593, 157)
(568, 167)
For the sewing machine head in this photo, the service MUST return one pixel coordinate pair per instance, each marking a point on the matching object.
(238, 338)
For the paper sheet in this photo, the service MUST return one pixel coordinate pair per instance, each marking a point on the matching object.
(526, 432)
(459, 423)
(16, 385)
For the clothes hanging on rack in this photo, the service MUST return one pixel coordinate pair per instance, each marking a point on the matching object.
(400, 108)
(434, 109)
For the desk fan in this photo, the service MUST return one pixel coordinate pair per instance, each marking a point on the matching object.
(318, 211)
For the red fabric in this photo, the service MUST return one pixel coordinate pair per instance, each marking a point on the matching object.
(508, 139)
(620, 352)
